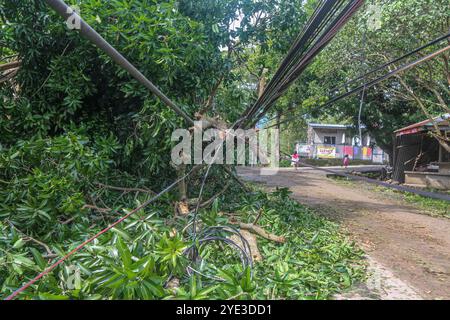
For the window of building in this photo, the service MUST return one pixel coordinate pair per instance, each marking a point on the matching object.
(329, 140)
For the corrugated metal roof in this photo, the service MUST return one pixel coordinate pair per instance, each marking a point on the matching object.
(414, 128)
(330, 126)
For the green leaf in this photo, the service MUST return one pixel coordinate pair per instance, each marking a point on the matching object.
(23, 261)
(38, 258)
(121, 233)
(49, 296)
(19, 244)
(124, 253)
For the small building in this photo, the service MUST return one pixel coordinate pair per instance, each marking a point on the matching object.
(334, 141)
(335, 134)
(418, 158)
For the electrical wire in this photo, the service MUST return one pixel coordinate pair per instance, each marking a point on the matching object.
(300, 56)
(215, 234)
(371, 83)
(387, 64)
(299, 46)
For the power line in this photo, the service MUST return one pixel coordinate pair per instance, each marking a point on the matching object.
(307, 46)
(389, 74)
(385, 65)
(301, 43)
(299, 47)
(374, 82)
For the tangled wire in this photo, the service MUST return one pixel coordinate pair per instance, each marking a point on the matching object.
(216, 234)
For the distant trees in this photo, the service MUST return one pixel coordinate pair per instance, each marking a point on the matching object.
(411, 96)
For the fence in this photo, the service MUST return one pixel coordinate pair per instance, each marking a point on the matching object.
(375, 155)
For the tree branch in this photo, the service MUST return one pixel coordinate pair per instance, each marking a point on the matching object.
(28, 238)
(437, 134)
(105, 186)
(261, 232)
(10, 65)
(101, 210)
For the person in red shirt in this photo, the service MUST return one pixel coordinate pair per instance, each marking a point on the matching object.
(295, 159)
(346, 161)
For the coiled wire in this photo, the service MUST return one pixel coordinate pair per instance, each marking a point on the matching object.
(215, 234)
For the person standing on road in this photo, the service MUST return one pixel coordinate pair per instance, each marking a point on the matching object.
(295, 159)
(346, 161)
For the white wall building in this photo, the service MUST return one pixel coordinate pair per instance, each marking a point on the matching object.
(335, 134)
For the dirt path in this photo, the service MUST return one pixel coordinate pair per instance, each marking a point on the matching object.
(408, 252)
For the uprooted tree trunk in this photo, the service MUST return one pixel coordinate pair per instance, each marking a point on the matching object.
(10, 65)
(9, 70)
(182, 206)
(182, 188)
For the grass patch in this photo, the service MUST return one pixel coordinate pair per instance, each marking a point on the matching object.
(432, 207)
(326, 162)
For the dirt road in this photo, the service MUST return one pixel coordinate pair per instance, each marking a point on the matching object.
(408, 252)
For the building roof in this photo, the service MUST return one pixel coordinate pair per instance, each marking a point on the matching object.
(329, 126)
(332, 126)
(424, 125)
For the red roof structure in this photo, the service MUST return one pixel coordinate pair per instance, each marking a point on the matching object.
(441, 121)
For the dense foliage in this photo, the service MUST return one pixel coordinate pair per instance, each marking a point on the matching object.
(82, 144)
(65, 82)
(136, 260)
(381, 32)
